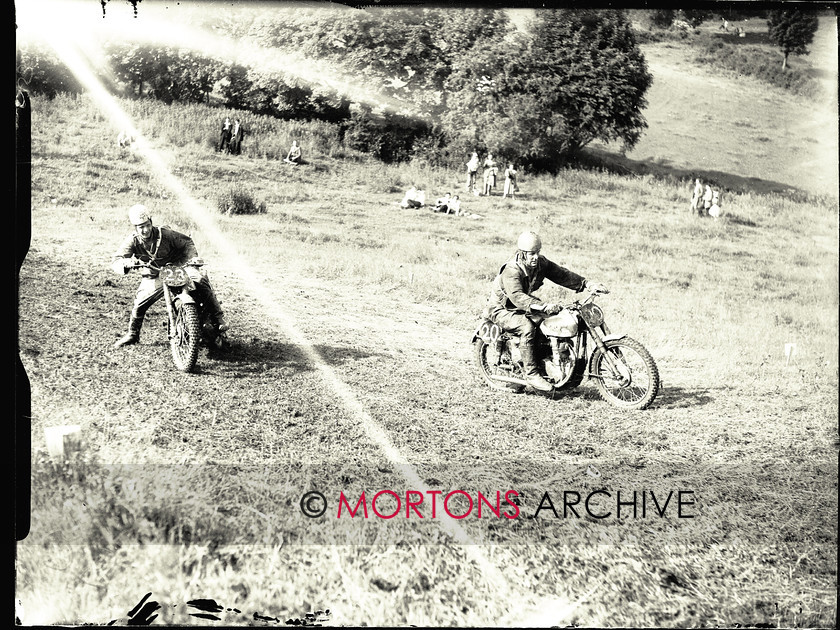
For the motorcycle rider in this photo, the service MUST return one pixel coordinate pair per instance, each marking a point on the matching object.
(512, 301)
(160, 245)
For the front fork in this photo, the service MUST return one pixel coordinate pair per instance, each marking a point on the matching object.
(185, 298)
(618, 371)
(170, 310)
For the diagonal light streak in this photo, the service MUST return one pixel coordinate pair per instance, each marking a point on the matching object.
(231, 259)
(552, 610)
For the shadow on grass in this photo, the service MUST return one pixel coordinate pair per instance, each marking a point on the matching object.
(682, 397)
(664, 169)
(668, 397)
(257, 355)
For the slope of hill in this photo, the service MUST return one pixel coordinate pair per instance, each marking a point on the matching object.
(351, 370)
(738, 131)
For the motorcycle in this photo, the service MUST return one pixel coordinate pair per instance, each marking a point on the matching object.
(188, 326)
(625, 374)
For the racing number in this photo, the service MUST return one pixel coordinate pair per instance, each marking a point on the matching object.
(490, 333)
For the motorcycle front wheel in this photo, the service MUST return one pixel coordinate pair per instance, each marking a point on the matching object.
(490, 363)
(634, 383)
(186, 337)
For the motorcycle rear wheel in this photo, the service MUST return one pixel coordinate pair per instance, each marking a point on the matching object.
(636, 384)
(187, 335)
(485, 358)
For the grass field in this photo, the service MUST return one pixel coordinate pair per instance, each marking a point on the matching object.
(351, 370)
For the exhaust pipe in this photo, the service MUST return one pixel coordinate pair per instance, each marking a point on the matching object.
(509, 379)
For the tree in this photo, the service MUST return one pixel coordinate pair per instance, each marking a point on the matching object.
(42, 72)
(579, 77)
(662, 18)
(792, 30)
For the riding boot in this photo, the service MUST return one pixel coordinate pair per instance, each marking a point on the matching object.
(532, 374)
(213, 308)
(135, 323)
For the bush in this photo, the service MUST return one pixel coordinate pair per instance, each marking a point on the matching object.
(237, 200)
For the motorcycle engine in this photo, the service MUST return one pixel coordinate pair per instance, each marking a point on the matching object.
(561, 371)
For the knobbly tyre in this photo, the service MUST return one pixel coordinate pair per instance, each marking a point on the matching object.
(625, 374)
(188, 326)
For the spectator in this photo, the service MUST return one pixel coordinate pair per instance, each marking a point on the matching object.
(490, 171)
(714, 210)
(696, 196)
(707, 199)
(510, 182)
(294, 156)
(454, 205)
(237, 133)
(442, 204)
(472, 171)
(413, 198)
(125, 139)
(224, 136)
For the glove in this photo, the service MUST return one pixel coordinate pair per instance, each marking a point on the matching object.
(121, 265)
(552, 309)
(596, 287)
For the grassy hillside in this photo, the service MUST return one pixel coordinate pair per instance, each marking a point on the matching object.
(738, 131)
(351, 370)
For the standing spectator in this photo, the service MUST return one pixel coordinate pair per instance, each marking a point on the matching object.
(472, 171)
(490, 171)
(510, 182)
(707, 199)
(224, 136)
(294, 156)
(236, 135)
(696, 196)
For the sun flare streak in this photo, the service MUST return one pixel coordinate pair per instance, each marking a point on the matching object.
(274, 312)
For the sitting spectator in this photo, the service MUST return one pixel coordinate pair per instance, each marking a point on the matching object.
(294, 156)
(442, 204)
(125, 139)
(454, 205)
(413, 198)
(707, 199)
(714, 210)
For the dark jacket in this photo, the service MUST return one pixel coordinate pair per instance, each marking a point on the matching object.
(513, 288)
(168, 246)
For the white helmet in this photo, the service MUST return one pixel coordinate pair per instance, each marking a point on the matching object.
(139, 214)
(529, 242)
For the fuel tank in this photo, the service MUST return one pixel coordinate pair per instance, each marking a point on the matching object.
(564, 324)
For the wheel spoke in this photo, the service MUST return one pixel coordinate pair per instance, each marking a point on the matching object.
(630, 381)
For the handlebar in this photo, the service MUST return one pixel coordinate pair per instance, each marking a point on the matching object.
(139, 264)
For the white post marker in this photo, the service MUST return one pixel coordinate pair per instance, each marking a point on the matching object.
(790, 353)
(63, 440)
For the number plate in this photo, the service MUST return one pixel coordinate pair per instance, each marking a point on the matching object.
(490, 332)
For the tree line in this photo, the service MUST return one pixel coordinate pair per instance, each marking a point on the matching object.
(454, 80)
